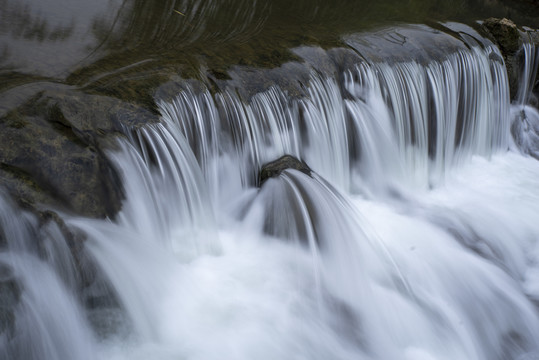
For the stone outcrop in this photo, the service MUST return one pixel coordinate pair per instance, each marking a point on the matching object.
(52, 151)
(505, 34)
(276, 167)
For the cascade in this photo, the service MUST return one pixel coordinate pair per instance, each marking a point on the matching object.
(525, 126)
(414, 238)
(37, 284)
(429, 118)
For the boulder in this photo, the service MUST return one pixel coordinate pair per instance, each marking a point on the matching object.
(276, 167)
(52, 151)
(505, 34)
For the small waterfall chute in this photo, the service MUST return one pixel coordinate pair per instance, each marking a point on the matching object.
(40, 315)
(525, 117)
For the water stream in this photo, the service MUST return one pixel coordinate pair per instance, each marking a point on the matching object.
(415, 238)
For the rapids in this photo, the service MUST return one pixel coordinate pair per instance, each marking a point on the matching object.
(415, 238)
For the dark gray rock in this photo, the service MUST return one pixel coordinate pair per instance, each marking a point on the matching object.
(291, 77)
(420, 43)
(276, 167)
(9, 298)
(534, 96)
(74, 239)
(506, 35)
(52, 151)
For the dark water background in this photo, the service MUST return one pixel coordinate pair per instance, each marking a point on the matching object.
(125, 48)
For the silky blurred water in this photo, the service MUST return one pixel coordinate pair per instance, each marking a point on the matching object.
(414, 238)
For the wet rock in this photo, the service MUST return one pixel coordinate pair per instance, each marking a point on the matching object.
(535, 93)
(344, 59)
(169, 91)
(9, 298)
(39, 164)
(525, 131)
(74, 239)
(534, 96)
(419, 43)
(505, 32)
(92, 117)
(291, 77)
(506, 35)
(319, 59)
(247, 79)
(276, 167)
(52, 151)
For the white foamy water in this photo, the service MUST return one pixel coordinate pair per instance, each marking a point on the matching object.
(415, 238)
(440, 274)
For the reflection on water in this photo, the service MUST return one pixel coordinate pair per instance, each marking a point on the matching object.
(158, 24)
(50, 37)
(99, 43)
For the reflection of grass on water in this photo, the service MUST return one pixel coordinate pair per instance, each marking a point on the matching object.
(183, 37)
(221, 31)
(20, 22)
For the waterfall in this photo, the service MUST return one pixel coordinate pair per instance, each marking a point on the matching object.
(41, 316)
(428, 118)
(438, 115)
(525, 126)
(415, 237)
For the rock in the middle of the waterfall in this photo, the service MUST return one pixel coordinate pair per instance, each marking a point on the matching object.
(275, 167)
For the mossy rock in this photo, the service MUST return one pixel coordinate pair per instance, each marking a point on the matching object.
(505, 34)
(42, 165)
(52, 151)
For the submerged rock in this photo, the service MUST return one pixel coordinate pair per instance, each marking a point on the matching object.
(525, 131)
(48, 222)
(276, 167)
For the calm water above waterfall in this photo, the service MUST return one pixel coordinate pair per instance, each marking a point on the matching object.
(415, 237)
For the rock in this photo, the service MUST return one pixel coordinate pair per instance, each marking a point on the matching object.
(525, 131)
(274, 168)
(418, 43)
(9, 298)
(534, 96)
(52, 151)
(506, 35)
(74, 239)
(94, 119)
(290, 77)
(43, 164)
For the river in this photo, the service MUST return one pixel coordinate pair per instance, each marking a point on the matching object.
(415, 236)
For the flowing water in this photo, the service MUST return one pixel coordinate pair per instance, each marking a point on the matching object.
(416, 237)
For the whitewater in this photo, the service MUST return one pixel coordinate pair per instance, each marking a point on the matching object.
(416, 237)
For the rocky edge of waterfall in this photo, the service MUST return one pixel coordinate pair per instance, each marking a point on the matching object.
(53, 151)
(276, 167)
(506, 35)
(54, 142)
